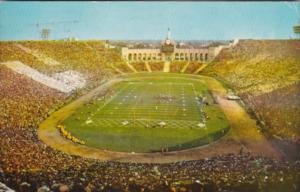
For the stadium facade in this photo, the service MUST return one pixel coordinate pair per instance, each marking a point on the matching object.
(169, 51)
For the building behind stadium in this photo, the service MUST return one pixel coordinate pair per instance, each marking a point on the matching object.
(169, 50)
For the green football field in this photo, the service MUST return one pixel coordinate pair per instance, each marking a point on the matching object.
(147, 114)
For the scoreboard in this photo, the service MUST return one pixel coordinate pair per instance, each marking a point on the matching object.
(167, 47)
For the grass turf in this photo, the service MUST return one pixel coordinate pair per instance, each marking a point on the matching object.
(147, 114)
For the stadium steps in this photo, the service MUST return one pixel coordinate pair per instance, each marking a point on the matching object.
(185, 67)
(200, 68)
(95, 51)
(4, 188)
(20, 68)
(166, 68)
(41, 57)
(148, 67)
(117, 69)
(131, 67)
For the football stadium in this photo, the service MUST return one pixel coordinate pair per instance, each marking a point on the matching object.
(113, 113)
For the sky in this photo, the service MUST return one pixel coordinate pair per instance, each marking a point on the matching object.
(149, 20)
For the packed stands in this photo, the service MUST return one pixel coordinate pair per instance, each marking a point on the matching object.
(27, 164)
(156, 66)
(176, 66)
(140, 66)
(222, 173)
(266, 75)
(23, 100)
(282, 103)
(258, 66)
(87, 57)
(192, 67)
(10, 52)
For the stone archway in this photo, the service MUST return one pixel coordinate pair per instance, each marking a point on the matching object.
(176, 56)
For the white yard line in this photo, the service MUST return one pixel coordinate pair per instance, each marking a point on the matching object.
(149, 114)
(168, 90)
(164, 110)
(134, 108)
(174, 93)
(196, 102)
(114, 96)
(201, 115)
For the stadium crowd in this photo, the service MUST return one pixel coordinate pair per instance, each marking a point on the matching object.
(221, 173)
(266, 76)
(286, 109)
(89, 58)
(28, 165)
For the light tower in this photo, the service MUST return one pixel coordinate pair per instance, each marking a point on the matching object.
(45, 29)
(295, 8)
(169, 34)
(297, 28)
(45, 33)
(168, 39)
(168, 47)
